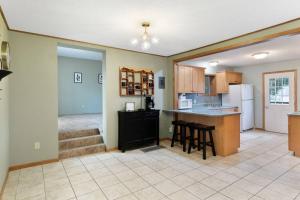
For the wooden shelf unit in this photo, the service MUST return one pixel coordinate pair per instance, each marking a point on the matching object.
(135, 82)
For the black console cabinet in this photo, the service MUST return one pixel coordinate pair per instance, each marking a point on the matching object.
(138, 128)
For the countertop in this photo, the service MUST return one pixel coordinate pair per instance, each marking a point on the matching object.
(206, 111)
(295, 113)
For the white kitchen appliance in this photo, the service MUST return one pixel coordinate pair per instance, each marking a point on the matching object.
(241, 96)
(184, 103)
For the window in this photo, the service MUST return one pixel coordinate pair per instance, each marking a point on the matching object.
(279, 91)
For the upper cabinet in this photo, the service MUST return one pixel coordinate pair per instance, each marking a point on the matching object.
(224, 79)
(190, 79)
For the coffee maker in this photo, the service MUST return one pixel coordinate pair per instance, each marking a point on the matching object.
(149, 102)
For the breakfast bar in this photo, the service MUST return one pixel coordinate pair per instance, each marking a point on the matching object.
(227, 126)
(294, 133)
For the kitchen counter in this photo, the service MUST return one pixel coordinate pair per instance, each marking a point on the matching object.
(210, 112)
(294, 114)
(294, 133)
(227, 125)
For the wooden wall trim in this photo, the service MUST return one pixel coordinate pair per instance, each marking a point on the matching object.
(237, 45)
(264, 95)
(32, 164)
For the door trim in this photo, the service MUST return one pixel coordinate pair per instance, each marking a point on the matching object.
(263, 89)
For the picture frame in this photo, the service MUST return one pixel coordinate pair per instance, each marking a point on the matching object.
(129, 106)
(77, 77)
(100, 78)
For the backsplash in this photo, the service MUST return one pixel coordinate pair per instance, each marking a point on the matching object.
(201, 100)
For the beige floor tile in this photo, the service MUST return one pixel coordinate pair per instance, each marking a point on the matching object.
(80, 178)
(76, 170)
(149, 194)
(107, 181)
(134, 164)
(143, 170)
(215, 183)
(183, 180)
(169, 172)
(126, 175)
(236, 193)
(128, 197)
(247, 186)
(85, 187)
(100, 172)
(50, 183)
(28, 192)
(167, 187)
(96, 195)
(154, 178)
(197, 174)
(182, 195)
(94, 166)
(201, 191)
(218, 196)
(60, 193)
(136, 184)
(115, 191)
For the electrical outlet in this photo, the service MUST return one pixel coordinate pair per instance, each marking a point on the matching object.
(37, 146)
(171, 128)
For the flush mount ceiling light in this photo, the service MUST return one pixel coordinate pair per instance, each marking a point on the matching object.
(260, 55)
(146, 39)
(213, 63)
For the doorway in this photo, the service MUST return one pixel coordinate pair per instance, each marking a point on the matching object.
(80, 99)
(280, 98)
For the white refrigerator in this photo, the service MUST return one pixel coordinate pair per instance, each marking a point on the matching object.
(241, 96)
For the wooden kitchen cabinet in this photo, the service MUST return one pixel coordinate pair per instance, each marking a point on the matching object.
(190, 79)
(198, 77)
(224, 79)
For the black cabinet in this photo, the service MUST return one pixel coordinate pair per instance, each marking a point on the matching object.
(138, 128)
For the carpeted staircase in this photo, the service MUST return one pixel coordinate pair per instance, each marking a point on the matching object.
(80, 142)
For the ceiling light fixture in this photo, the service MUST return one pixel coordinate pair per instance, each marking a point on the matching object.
(146, 39)
(260, 55)
(213, 63)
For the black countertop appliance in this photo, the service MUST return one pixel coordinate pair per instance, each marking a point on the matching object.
(149, 103)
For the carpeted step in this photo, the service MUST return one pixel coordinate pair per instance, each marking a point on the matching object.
(80, 151)
(80, 142)
(80, 133)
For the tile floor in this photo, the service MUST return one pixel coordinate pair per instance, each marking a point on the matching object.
(263, 169)
(79, 122)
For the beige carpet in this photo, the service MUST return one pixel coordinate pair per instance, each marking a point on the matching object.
(79, 122)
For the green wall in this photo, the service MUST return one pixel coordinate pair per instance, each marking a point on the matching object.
(79, 98)
(4, 114)
(34, 93)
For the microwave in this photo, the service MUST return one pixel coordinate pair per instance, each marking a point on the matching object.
(185, 103)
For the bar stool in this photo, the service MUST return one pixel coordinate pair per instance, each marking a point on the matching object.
(182, 126)
(201, 144)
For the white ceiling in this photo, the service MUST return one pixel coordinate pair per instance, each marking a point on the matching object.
(180, 25)
(79, 53)
(280, 49)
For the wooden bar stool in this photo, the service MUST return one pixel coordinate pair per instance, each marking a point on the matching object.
(182, 127)
(201, 144)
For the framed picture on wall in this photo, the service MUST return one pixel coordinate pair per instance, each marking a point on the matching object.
(77, 77)
(100, 78)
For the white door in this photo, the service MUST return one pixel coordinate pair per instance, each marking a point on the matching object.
(279, 100)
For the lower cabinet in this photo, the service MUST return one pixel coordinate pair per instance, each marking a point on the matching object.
(138, 128)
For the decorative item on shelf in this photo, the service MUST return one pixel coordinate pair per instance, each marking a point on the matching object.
(77, 77)
(100, 78)
(5, 60)
(129, 106)
(5, 55)
(135, 82)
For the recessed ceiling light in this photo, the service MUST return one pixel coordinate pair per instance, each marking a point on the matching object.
(213, 63)
(260, 55)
